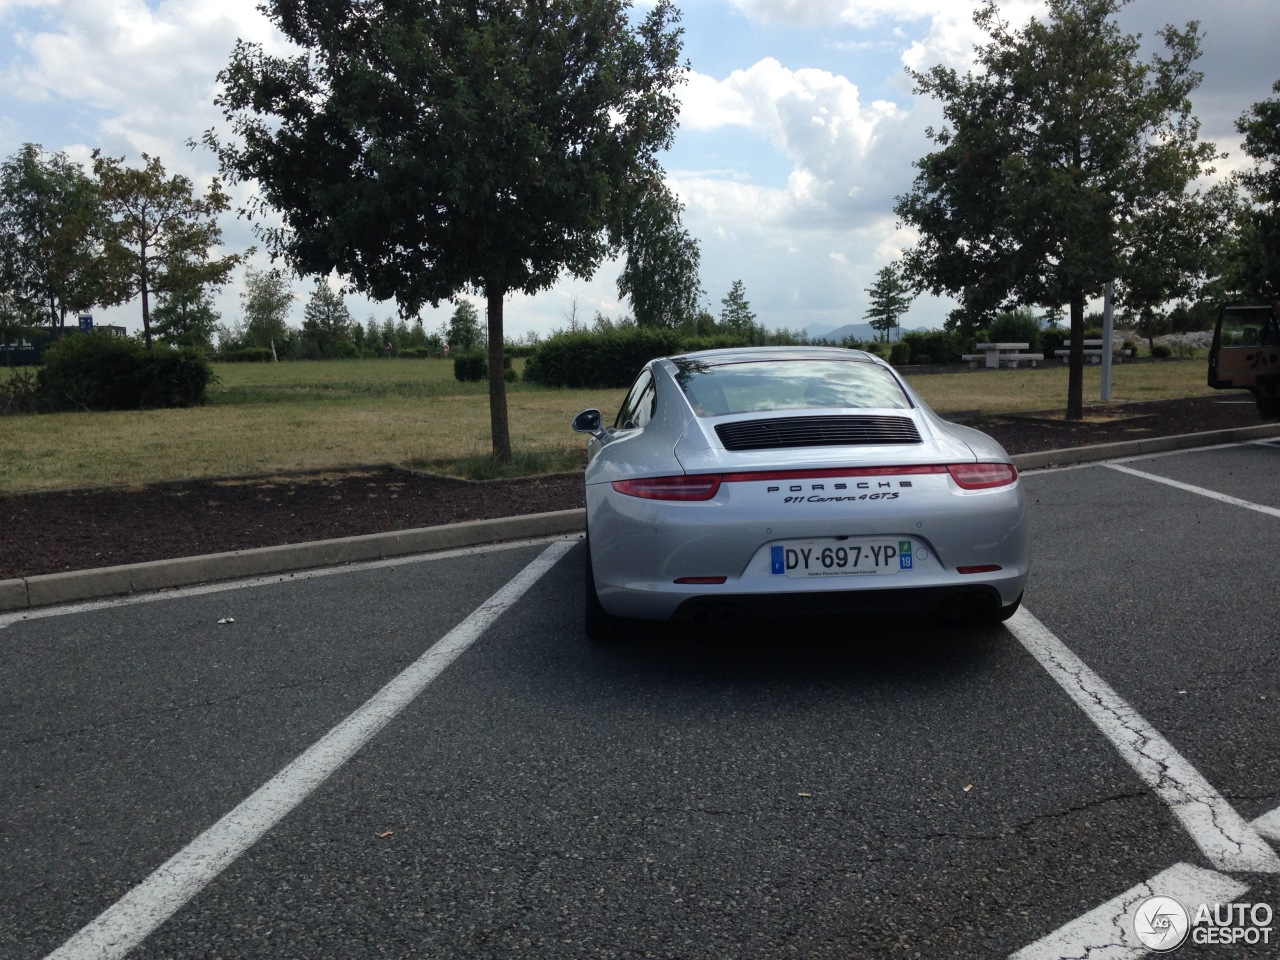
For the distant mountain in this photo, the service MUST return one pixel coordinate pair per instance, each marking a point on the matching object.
(858, 331)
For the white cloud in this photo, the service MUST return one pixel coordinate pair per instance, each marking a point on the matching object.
(148, 71)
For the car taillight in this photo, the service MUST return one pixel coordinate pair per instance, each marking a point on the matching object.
(701, 487)
(980, 476)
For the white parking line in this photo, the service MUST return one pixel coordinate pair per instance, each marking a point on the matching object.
(178, 593)
(131, 919)
(1106, 932)
(1218, 830)
(1202, 491)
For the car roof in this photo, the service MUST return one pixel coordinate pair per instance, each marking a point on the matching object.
(748, 354)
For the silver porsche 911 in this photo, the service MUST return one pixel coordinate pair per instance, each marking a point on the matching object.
(806, 480)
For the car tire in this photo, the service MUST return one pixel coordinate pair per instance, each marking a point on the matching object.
(601, 626)
(1002, 614)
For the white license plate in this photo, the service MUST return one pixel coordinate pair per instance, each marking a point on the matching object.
(840, 558)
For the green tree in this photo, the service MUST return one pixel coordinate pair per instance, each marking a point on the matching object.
(736, 315)
(51, 222)
(265, 302)
(421, 149)
(326, 322)
(1255, 272)
(890, 298)
(660, 274)
(1066, 161)
(185, 317)
(160, 233)
(462, 331)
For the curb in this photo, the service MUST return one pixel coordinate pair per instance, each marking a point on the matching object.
(80, 585)
(1137, 448)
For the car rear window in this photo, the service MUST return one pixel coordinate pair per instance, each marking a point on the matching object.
(716, 390)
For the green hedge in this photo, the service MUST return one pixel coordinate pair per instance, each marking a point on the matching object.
(610, 358)
(935, 346)
(97, 371)
(249, 355)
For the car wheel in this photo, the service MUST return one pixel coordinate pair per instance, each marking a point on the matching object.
(602, 626)
(1002, 614)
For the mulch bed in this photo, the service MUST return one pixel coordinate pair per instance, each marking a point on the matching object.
(44, 533)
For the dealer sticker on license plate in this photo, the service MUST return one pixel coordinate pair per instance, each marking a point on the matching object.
(840, 558)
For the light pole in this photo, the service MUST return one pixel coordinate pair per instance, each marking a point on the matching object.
(1108, 325)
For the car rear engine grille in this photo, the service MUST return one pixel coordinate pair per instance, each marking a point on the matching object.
(816, 432)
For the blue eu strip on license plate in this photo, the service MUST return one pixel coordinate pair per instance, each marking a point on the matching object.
(778, 558)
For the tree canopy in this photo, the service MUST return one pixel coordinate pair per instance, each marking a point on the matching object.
(1255, 272)
(326, 321)
(51, 223)
(265, 302)
(736, 315)
(462, 330)
(159, 234)
(660, 274)
(1066, 161)
(890, 298)
(425, 147)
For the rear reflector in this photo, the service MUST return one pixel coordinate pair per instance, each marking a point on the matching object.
(702, 487)
(983, 568)
(702, 580)
(969, 476)
(828, 473)
(980, 476)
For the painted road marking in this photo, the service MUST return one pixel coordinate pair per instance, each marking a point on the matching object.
(130, 920)
(1202, 491)
(178, 593)
(1218, 830)
(1106, 933)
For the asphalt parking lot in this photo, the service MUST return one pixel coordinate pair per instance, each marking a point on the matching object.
(425, 757)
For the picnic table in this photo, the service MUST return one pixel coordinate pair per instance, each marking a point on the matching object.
(996, 355)
(1093, 352)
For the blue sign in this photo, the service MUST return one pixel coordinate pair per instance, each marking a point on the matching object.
(86, 322)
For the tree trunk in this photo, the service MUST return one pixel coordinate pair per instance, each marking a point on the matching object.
(1075, 372)
(146, 306)
(497, 384)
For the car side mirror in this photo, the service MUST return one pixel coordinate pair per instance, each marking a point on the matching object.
(589, 421)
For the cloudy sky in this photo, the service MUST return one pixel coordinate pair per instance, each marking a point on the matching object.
(799, 127)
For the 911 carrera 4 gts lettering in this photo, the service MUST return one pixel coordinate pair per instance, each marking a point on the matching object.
(815, 498)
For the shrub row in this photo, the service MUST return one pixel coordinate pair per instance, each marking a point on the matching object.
(98, 371)
(610, 358)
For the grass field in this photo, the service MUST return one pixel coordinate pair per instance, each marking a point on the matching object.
(267, 418)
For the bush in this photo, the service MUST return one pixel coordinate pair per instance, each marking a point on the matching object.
(19, 393)
(900, 353)
(470, 367)
(1160, 351)
(1020, 326)
(412, 353)
(173, 378)
(877, 348)
(97, 371)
